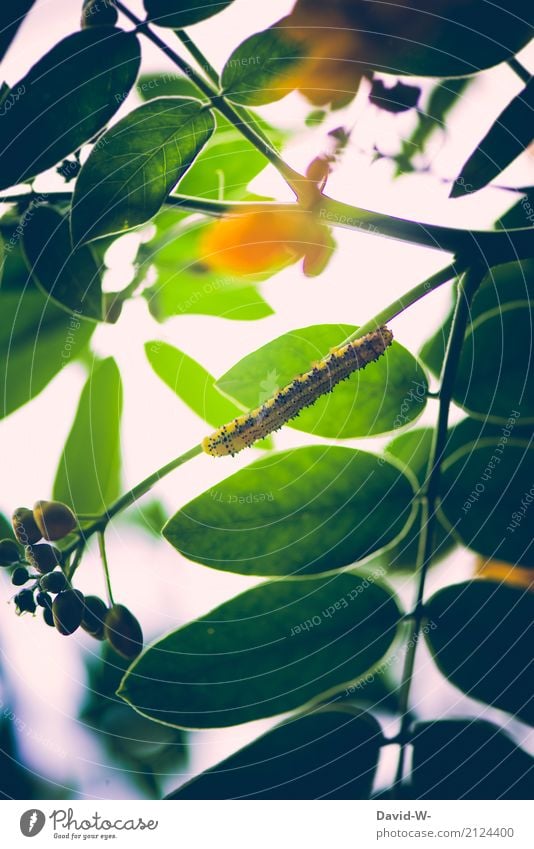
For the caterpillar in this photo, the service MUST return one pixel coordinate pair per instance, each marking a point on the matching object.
(302, 392)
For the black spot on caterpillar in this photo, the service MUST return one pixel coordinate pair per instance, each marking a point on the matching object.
(302, 392)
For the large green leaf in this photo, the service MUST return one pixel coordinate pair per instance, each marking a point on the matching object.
(482, 637)
(71, 277)
(412, 449)
(88, 475)
(503, 284)
(269, 650)
(228, 162)
(37, 339)
(296, 512)
(509, 136)
(331, 753)
(184, 285)
(468, 759)
(485, 487)
(256, 71)
(65, 99)
(495, 374)
(459, 38)
(11, 17)
(177, 14)
(192, 383)
(135, 165)
(385, 395)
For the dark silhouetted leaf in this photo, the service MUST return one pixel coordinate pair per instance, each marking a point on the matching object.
(177, 14)
(327, 754)
(11, 17)
(468, 759)
(481, 635)
(509, 136)
(71, 277)
(484, 486)
(65, 99)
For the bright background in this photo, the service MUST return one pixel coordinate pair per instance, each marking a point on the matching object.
(44, 674)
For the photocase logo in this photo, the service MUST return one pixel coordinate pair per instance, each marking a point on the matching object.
(32, 822)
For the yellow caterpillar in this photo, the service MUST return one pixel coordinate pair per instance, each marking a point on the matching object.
(302, 392)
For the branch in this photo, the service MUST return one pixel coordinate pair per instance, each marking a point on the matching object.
(466, 291)
(292, 177)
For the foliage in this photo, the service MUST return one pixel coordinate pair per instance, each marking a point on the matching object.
(327, 525)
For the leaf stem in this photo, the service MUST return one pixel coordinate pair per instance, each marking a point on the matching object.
(409, 298)
(519, 69)
(245, 114)
(292, 177)
(496, 246)
(104, 558)
(467, 288)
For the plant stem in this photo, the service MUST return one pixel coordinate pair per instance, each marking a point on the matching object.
(292, 177)
(466, 290)
(497, 246)
(409, 298)
(245, 115)
(104, 557)
(519, 69)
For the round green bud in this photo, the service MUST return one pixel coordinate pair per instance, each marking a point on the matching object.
(54, 582)
(43, 600)
(20, 576)
(25, 526)
(9, 552)
(98, 13)
(43, 557)
(68, 608)
(48, 616)
(25, 602)
(123, 631)
(54, 519)
(94, 616)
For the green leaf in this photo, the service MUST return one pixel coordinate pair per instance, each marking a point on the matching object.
(88, 475)
(299, 50)
(184, 286)
(71, 277)
(135, 165)
(11, 17)
(65, 99)
(37, 339)
(387, 394)
(503, 284)
(228, 162)
(486, 491)
(331, 753)
(509, 136)
(412, 450)
(177, 14)
(269, 650)
(192, 383)
(297, 512)
(255, 72)
(495, 375)
(482, 642)
(468, 759)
